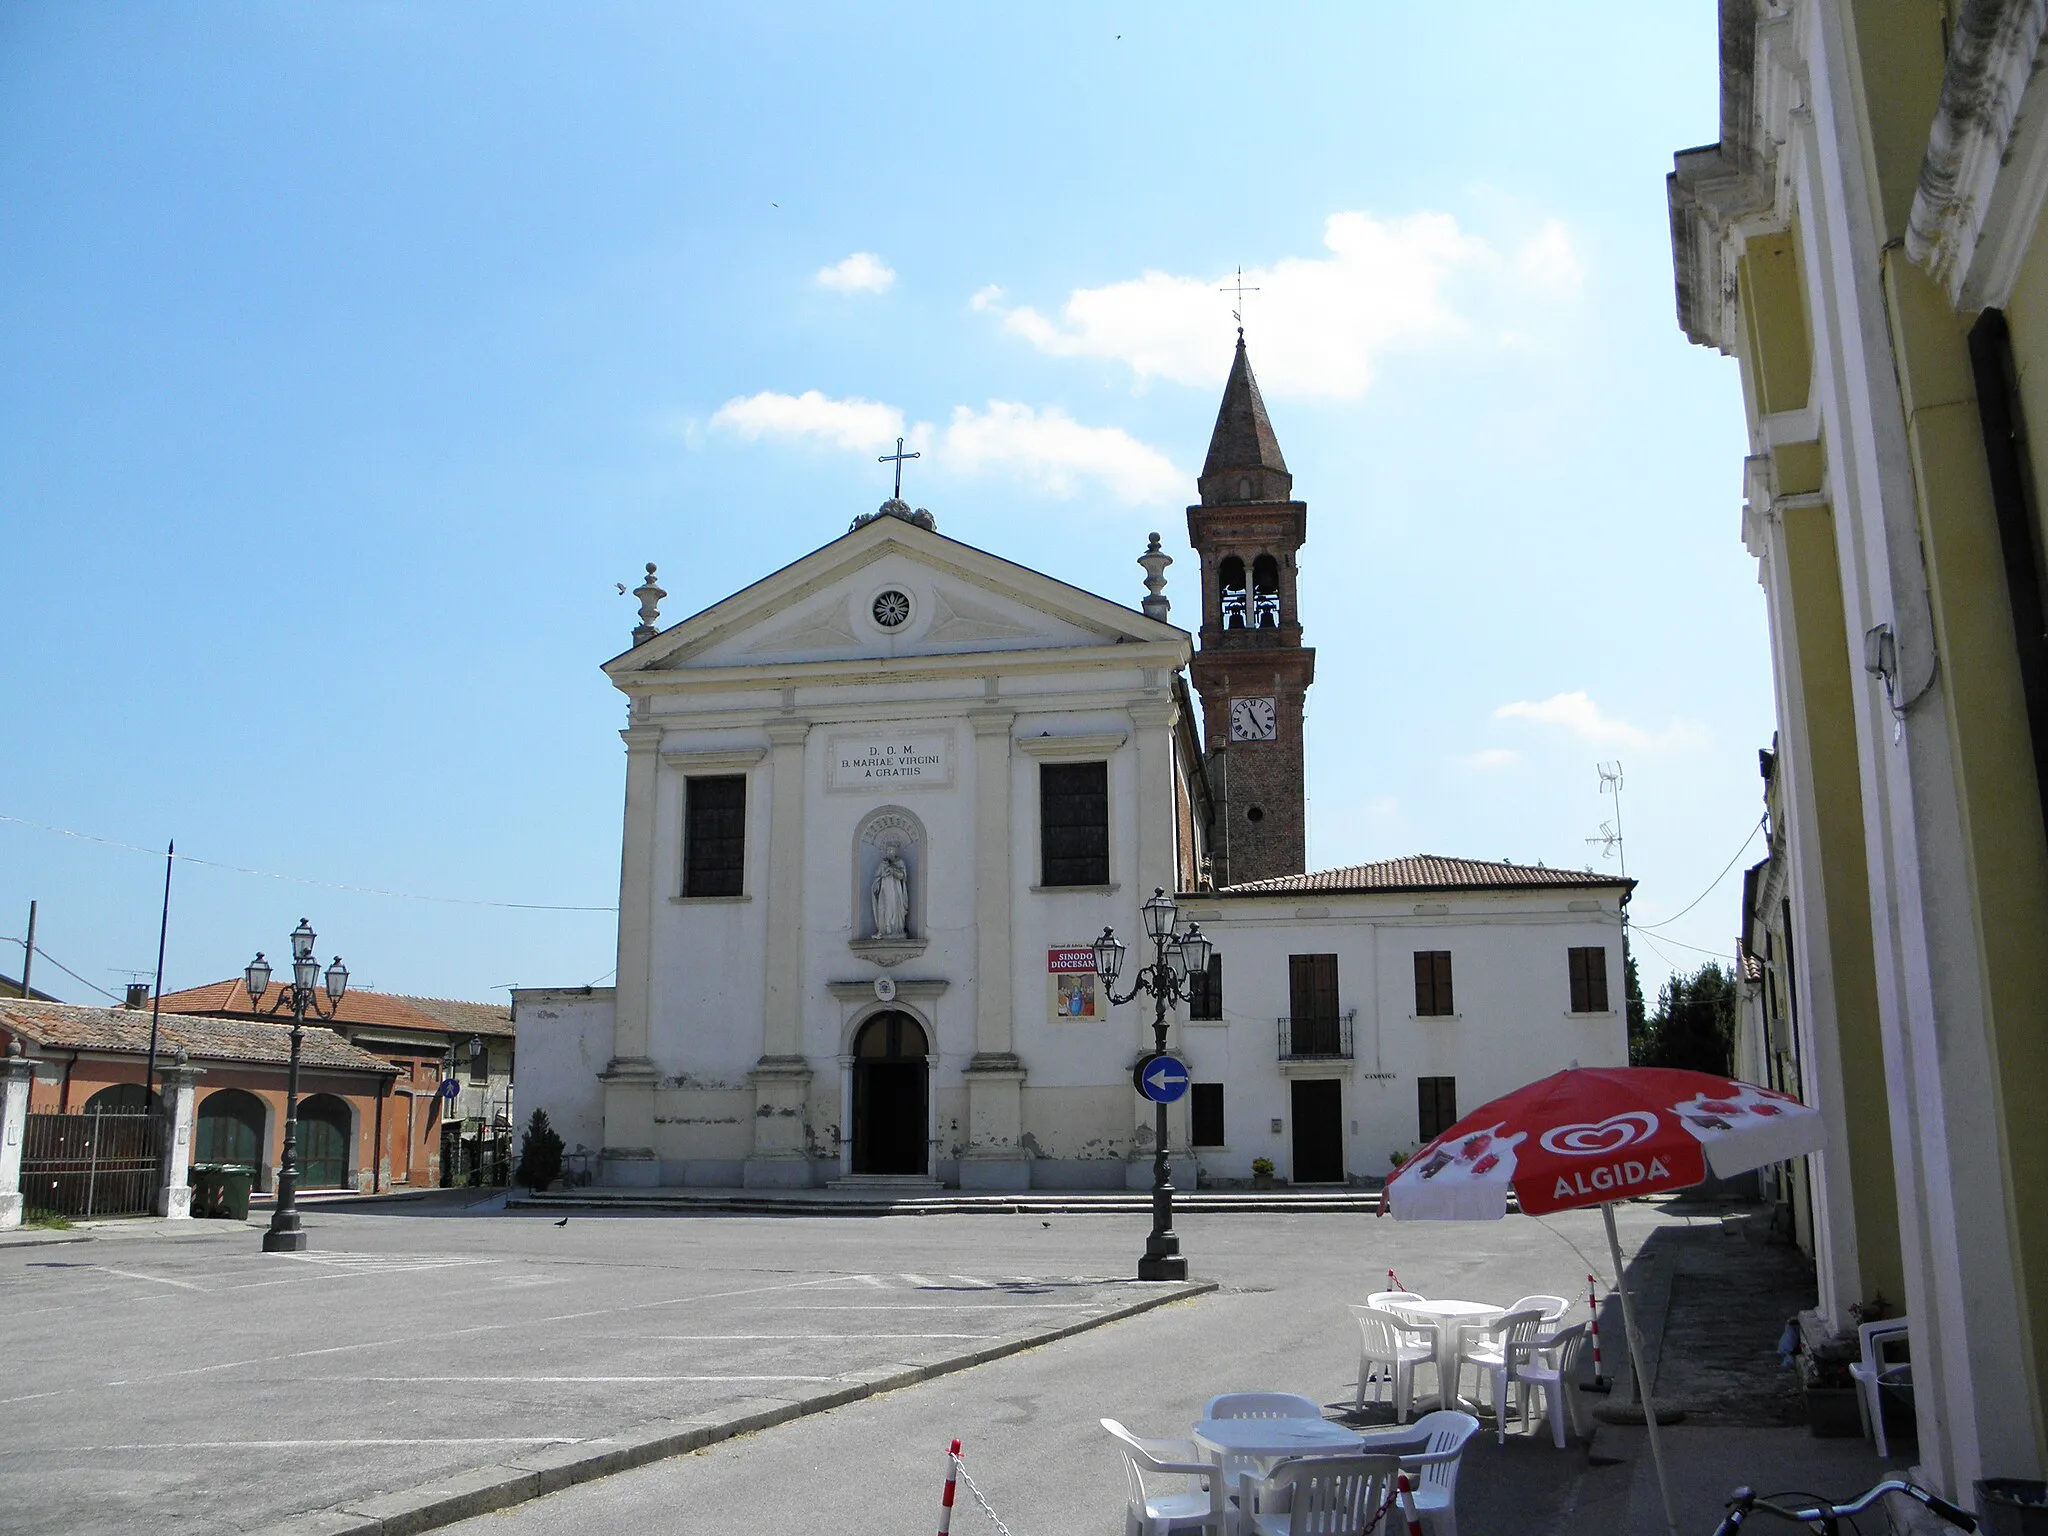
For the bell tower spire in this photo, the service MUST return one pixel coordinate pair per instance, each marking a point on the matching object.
(1252, 670)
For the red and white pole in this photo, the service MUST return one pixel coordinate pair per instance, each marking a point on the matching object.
(1408, 1504)
(946, 1504)
(1593, 1303)
(1394, 1282)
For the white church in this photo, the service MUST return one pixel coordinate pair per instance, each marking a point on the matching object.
(880, 804)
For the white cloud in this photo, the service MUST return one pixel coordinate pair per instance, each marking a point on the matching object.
(852, 423)
(1044, 447)
(1321, 324)
(1491, 757)
(1053, 451)
(862, 272)
(1577, 715)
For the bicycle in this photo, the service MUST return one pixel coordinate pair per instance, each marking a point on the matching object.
(1826, 1518)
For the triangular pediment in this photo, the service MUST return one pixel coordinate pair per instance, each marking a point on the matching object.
(890, 590)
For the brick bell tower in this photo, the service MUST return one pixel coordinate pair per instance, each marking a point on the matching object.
(1252, 670)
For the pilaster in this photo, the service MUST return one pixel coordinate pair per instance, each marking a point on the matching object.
(782, 1079)
(781, 1090)
(176, 1084)
(17, 1072)
(629, 1078)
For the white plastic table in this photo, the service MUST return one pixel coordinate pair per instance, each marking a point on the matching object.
(1270, 1440)
(1450, 1319)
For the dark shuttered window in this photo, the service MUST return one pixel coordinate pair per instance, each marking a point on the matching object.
(1433, 983)
(715, 835)
(1208, 1107)
(1436, 1106)
(1073, 823)
(1312, 1004)
(1589, 979)
(1205, 991)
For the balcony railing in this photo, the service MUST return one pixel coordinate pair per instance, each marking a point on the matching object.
(1326, 1039)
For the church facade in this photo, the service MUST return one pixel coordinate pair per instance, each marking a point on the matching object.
(880, 803)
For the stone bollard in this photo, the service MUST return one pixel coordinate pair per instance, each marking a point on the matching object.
(176, 1083)
(17, 1073)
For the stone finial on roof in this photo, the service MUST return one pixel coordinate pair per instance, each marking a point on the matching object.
(1155, 561)
(14, 1048)
(897, 507)
(650, 597)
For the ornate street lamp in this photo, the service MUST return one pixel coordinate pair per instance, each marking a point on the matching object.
(1177, 954)
(300, 996)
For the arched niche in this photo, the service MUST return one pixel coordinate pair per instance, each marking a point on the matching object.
(326, 1134)
(878, 830)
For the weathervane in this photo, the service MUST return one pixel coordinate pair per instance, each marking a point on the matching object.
(1240, 290)
(897, 459)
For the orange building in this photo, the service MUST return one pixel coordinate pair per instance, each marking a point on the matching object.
(90, 1058)
(429, 1040)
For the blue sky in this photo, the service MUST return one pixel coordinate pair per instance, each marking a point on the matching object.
(350, 356)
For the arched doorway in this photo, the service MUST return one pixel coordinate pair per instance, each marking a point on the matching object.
(323, 1141)
(122, 1099)
(890, 1132)
(229, 1129)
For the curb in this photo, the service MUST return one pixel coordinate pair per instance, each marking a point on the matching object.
(480, 1490)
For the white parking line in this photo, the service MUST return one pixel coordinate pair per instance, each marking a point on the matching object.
(815, 1338)
(129, 1274)
(287, 1445)
(414, 1381)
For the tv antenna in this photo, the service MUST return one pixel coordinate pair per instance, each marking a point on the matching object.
(1609, 838)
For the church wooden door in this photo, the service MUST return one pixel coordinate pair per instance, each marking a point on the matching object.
(890, 1084)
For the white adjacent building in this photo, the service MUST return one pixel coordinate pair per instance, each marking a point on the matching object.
(880, 803)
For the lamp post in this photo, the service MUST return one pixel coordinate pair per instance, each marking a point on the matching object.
(483, 1103)
(1177, 953)
(285, 1234)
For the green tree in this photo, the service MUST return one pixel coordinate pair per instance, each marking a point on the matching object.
(1694, 1023)
(1632, 992)
(540, 1153)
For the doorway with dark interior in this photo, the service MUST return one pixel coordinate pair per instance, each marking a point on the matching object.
(890, 1096)
(1318, 1130)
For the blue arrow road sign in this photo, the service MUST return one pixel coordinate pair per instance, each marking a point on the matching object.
(1164, 1079)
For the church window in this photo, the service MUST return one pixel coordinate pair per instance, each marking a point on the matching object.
(1265, 593)
(1588, 968)
(1433, 983)
(714, 835)
(1230, 589)
(1205, 991)
(1073, 823)
(1436, 1106)
(892, 608)
(1208, 1106)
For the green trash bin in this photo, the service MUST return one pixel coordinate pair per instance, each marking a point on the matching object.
(221, 1190)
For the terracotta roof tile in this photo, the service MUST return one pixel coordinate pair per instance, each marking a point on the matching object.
(69, 1026)
(390, 1010)
(1423, 872)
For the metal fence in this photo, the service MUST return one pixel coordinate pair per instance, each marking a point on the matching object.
(91, 1165)
(1316, 1039)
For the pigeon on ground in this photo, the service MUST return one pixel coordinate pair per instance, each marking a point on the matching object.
(1046, 1224)
(563, 1222)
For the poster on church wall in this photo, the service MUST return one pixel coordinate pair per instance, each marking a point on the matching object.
(1072, 985)
(890, 760)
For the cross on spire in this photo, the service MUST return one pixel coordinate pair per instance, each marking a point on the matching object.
(897, 459)
(1240, 290)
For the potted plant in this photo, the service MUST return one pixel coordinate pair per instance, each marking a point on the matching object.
(1262, 1173)
(1831, 1412)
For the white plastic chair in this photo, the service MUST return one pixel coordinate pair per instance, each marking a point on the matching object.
(1552, 1307)
(1385, 1339)
(1492, 1349)
(1550, 1363)
(1876, 1338)
(1318, 1496)
(1154, 1513)
(1387, 1300)
(1261, 1405)
(1433, 1474)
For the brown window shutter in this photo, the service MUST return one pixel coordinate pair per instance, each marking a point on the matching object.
(1596, 980)
(1425, 984)
(1443, 983)
(1301, 986)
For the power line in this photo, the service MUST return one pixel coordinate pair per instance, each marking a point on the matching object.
(103, 992)
(331, 885)
(1703, 895)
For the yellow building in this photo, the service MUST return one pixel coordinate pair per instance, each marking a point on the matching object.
(1864, 240)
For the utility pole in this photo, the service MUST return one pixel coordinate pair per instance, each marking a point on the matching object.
(28, 954)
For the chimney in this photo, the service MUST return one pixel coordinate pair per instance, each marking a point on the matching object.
(138, 995)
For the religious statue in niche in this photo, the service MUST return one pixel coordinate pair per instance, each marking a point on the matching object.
(889, 893)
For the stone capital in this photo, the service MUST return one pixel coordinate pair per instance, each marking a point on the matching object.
(1147, 713)
(991, 722)
(787, 730)
(641, 738)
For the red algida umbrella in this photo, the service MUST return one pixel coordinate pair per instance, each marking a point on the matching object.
(1595, 1135)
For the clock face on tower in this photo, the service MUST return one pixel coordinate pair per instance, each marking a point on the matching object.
(1253, 720)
